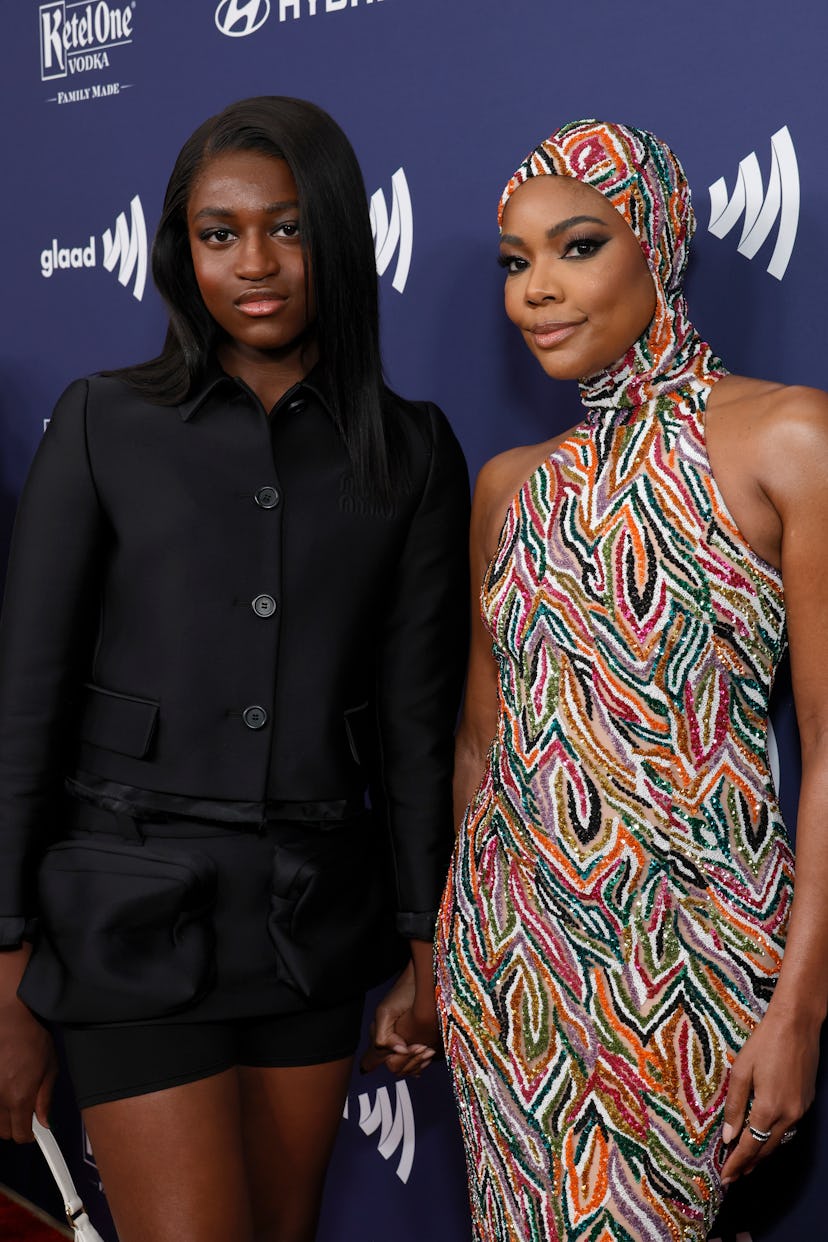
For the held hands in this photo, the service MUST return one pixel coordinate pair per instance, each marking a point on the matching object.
(404, 1034)
(28, 1064)
(772, 1085)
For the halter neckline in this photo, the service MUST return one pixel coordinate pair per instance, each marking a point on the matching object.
(618, 393)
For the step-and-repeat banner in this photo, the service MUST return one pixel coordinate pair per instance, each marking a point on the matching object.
(441, 99)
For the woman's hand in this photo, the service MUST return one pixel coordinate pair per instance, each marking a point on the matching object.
(773, 1080)
(28, 1064)
(405, 1034)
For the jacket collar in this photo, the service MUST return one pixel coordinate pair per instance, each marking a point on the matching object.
(215, 378)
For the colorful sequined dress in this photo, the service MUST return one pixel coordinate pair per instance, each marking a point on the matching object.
(614, 918)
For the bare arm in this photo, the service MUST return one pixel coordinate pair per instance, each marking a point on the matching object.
(479, 718)
(778, 1064)
(498, 483)
(28, 1065)
(404, 1034)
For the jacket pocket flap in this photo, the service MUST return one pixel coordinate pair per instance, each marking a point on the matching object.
(119, 722)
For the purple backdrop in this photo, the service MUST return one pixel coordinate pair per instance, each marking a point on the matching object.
(441, 101)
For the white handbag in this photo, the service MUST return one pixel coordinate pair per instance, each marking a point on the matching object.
(83, 1228)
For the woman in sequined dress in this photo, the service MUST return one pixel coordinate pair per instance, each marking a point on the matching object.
(624, 1036)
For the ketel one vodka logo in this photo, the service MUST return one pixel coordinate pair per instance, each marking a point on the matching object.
(124, 247)
(77, 38)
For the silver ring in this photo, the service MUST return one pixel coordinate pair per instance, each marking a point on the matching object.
(761, 1136)
(788, 1135)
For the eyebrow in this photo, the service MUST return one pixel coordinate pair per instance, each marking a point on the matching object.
(226, 213)
(512, 240)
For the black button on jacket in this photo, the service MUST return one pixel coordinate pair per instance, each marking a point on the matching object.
(199, 606)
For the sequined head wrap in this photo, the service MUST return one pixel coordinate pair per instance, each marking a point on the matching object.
(642, 178)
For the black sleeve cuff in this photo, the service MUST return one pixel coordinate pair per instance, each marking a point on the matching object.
(12, 932)
(417, 926)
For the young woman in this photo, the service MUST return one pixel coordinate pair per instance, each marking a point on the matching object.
(624, 1034)
(234, 608)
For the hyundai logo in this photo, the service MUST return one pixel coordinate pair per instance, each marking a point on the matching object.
(236, 18)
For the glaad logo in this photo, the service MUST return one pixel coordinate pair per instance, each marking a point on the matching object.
(125, 245)
(237, 18)
(396, 1129)
(398, 231)
(128, 248)
(76, 38)
(761, 210)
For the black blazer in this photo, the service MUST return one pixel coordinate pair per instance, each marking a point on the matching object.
(198, 605)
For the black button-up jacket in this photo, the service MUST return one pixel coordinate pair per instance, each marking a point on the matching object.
(199, 606)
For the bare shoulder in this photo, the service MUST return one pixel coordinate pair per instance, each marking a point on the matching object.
(800, 408)
(766, 402)
(508, 470)
(777, 432)
(503, 476)
(498, 482)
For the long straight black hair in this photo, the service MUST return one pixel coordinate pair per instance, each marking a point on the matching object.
(337, 238)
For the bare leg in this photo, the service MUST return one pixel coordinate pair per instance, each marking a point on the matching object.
(289, 1119)
(172, 1163)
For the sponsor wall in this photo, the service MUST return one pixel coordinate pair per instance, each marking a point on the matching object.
(441, 101)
